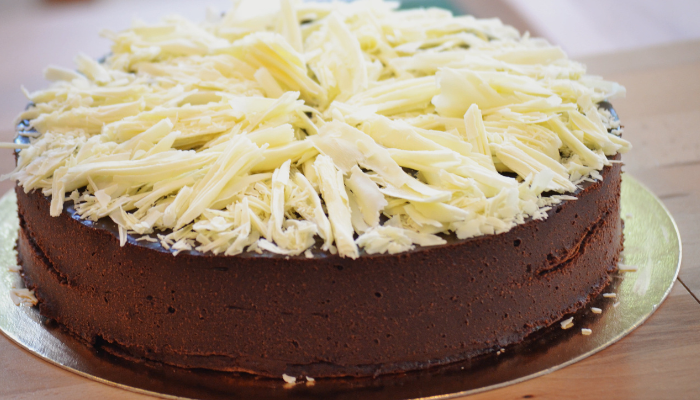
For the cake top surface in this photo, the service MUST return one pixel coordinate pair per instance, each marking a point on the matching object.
(367, 126)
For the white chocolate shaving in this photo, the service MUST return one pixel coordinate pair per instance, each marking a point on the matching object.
(336, 198)
(23, 297)
(372, 128)
(567, 323)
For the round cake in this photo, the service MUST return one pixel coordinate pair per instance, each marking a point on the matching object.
(325, 190)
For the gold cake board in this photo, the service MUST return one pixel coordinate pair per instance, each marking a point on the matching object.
(652, 244)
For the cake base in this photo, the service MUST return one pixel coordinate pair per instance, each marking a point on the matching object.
(326, 316)
(651, 243)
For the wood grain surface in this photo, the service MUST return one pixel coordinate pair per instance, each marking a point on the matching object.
(659, 360)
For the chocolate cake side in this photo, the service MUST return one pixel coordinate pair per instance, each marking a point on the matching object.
(326, 316)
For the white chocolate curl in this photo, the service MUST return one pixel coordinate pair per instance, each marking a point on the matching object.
(357, 125)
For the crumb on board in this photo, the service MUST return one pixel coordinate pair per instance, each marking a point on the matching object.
(567, 323)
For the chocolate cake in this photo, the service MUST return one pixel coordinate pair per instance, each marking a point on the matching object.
(326, 190)
(326, 316)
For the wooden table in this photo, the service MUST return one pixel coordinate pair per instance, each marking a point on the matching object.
(659, 360)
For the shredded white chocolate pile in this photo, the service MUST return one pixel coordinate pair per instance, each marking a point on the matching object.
(357, 124)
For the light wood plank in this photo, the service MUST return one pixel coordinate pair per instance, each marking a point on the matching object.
(659, 56)
(26, 376)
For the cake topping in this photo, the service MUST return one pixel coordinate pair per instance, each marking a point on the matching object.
(365, 126)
